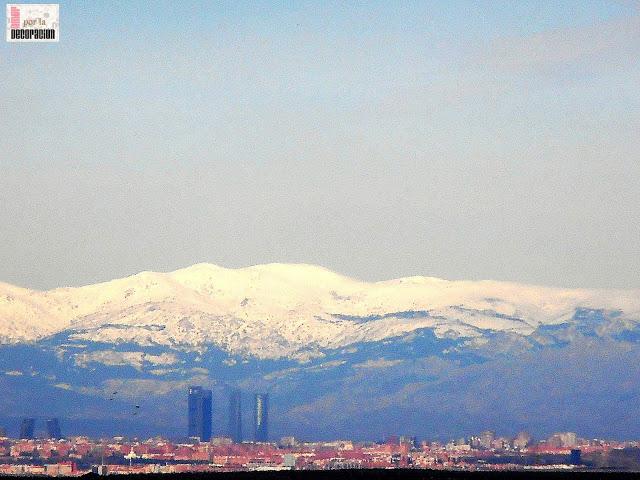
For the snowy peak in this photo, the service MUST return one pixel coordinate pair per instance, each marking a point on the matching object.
(279, 309)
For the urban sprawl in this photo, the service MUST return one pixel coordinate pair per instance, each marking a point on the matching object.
(56, 455)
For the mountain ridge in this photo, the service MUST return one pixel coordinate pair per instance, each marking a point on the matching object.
(207, 303)
(339, 356)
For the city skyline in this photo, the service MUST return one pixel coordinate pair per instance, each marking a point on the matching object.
(243, 236)
(487, 439)
(34, 428)
(483, 451)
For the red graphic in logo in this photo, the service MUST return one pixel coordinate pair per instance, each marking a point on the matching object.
(15, 18)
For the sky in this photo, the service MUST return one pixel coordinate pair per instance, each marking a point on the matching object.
(456, 139)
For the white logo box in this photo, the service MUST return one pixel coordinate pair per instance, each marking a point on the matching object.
(33, 22)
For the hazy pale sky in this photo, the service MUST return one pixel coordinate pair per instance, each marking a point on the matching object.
(457, 139)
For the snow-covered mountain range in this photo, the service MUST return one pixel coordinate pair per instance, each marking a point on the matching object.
(339, 356)
(280, 310)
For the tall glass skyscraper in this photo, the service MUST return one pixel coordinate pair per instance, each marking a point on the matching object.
(53, 428)
(261, 417)
(199, 404)
(235, 416)
(27, 427)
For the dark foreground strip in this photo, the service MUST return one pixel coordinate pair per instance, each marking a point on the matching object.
(396, 474)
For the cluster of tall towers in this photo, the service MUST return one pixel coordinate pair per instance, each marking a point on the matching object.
(200, 407)
(27, 428)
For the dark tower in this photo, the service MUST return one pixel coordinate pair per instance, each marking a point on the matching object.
(26, 428)
(575, 457)
(200, 413)
(53, 429)
(261, 417)
(235, 416)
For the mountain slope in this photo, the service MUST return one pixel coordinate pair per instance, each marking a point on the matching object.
(339, 357)
(278, 310)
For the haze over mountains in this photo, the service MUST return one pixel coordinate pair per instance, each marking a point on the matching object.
(341, 357)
